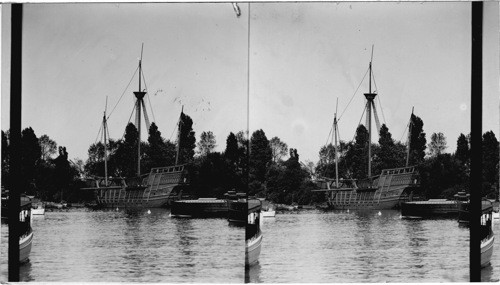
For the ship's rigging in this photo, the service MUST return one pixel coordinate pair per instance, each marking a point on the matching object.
(370, 107)
(139, 107)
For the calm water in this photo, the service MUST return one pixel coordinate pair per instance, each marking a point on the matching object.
(314, 246)
(306, 246)
(131, 246)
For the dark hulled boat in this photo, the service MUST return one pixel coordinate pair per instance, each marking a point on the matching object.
(237, 208)
(199, 208)
(435, 207)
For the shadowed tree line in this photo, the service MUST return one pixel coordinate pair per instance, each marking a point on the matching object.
(46, 171)
(260, 167)
(211, 173)
(276, 177)
(51, 176)
(442, 174)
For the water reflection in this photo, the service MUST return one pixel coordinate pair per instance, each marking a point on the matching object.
(360, 246)
(252, 273)
(25, 272)
(184, 236)
(131, 246)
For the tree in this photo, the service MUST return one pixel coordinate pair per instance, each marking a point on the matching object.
(79, 165)
(158, 152)
(30, 156)
(417, 141)
(326, 163)
(357, 154)
(490, 161)
(207, 143)
(462, 153)
(287, 182)
(388, 154)
(48, 147)
(437, 144)
(244, 158)
(187, 139)
(95, 162)
(279, 149)
(232, 153)
(260, 155)
(126, 153)
(442, 176)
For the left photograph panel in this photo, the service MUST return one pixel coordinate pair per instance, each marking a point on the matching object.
(134, 142)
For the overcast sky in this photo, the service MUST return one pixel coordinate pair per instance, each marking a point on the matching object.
(303, 56)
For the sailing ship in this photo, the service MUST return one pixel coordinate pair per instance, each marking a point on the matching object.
(158, 188)
(385, 191)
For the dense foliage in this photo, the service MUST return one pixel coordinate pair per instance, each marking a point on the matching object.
(255, 165)
(51, 179)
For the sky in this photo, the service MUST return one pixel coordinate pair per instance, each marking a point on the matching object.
(302, 58)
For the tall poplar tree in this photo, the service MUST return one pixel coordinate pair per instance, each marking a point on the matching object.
(417, 141)
(187, 138)
(126, 153)
(30, 156)
(462, 153)
(260, 155)
(490, 158)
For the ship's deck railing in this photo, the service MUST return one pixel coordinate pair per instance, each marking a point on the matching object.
(175, 168)
(402, 170)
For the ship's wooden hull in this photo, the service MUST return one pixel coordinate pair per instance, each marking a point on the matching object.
(133, 198)
(387, 191)
(487, 250)
(369, 201)
(158, 189)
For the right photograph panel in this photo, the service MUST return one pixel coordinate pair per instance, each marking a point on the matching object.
(359, 136)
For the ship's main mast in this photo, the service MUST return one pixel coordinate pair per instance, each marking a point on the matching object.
(369, 97)
(138, 104)
(336, 148)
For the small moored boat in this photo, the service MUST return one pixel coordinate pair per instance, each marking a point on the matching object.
(25, 230)
(269, 213)
(487, 235)
(38, 209)
(253, 232)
